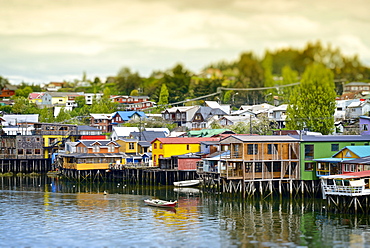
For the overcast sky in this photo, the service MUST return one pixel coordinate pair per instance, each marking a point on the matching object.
(56, 40)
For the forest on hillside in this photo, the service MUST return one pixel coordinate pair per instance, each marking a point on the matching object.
(280, 67)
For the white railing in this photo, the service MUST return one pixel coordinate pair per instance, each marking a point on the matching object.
(332, 189)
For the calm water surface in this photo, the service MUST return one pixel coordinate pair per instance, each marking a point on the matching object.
(46, 212)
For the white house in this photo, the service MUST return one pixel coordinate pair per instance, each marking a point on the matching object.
(278, 114)
(356, 109)
(123, 132)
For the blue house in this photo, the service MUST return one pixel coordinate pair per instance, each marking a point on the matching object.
(124, 116)
(364, 125)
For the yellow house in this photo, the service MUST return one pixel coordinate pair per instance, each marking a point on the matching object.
(167, 147)
(128, 145)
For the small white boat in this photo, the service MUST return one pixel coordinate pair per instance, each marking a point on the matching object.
(187, 183)
(184, 190)
(160, 203)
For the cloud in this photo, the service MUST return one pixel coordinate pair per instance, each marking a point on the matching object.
(44, 39)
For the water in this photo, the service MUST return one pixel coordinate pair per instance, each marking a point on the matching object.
(46, 212)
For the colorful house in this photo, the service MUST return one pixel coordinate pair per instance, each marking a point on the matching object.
(40, 98)
(102, 122)
(120, 117)
(364, 125)
(320, 148)
(340, 162)
(167, 147)
(185, 162)
(94, 155)
(54, 135)
(261, 157)
(128, 145)
(8, 91)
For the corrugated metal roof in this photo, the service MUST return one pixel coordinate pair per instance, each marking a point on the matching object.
(264, 138)
(332, 160)
(364, 160)
(359, 174)
(184, 140)
(330, 138)
(94, 155)
(361, 151)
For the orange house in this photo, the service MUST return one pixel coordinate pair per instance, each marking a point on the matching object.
(8, 90)
(94, 155)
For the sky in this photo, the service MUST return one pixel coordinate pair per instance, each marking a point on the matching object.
(56, 40)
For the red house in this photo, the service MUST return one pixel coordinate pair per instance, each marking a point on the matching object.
(8, 90)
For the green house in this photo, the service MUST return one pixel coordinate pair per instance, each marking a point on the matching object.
(315, 147)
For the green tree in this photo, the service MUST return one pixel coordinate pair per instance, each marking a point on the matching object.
(312, 103)
(216, 125)
(63, 116)
(289, 77)
(46, 115)
(24, 92)
(163, 96)
(240, 128)
(127, 81)
(134, 93)
(177, 81)
(3, 82)
(23, 106)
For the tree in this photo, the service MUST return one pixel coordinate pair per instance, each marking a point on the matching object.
(177, 81)
(312, 103)
(3, 82)
(289, 77)
(24, 92)
(127, 81)
(23, 106)
(163, 96)
(63, 116)
(240, 128)
(134, 93)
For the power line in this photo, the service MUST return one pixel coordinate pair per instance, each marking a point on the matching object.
(220, 89)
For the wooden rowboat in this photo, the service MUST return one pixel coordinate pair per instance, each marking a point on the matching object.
(160, 203)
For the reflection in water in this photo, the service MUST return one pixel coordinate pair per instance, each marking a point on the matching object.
(43, 211)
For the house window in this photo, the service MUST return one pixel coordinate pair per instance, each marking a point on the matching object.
(334, 147)
(20, 151)
(96, 148)
(37, 151)
(365, 127)
(155, 145)
(252, 149)
(272, 148)
(187, 147)
(236, 147)
(160, 146)
(308, 152)
(308, 166)
(353, 144)
(28, 151)
(131, 146)
(350, 167)
(111, 148)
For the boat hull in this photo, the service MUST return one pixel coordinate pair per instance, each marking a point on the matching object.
(187, 183)
(161, 203)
